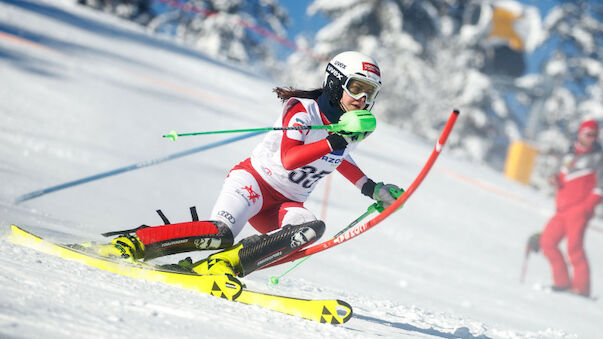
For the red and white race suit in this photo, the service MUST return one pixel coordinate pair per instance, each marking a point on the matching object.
(580, 179)
(269, 188)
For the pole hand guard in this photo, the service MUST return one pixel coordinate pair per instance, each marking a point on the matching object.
(378, 206)
(359, 121)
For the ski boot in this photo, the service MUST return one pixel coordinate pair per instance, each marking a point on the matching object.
(226, 262)
(258, 251)
(151, 242)
(127, 247)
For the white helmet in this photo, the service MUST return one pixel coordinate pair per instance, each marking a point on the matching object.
(356, 73)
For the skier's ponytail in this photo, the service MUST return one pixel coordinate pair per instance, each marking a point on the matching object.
(289, 92)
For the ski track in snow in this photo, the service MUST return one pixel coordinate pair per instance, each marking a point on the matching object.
(84, 93)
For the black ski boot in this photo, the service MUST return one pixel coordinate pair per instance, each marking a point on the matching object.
(258, 251)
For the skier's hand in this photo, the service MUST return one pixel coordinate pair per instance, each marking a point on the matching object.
(351, 137)
(384, 194)
(534, 243)
(353, 126)
(351, 122)
(340, 140)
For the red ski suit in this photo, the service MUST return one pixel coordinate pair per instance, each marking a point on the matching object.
(580, 189)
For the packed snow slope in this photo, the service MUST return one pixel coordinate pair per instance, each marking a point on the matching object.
(83, 93)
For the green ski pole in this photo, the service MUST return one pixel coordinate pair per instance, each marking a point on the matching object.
(174, 135)
(358, 121)
(378, 206)
(374, 207)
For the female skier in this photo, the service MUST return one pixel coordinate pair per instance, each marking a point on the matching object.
(269, 189)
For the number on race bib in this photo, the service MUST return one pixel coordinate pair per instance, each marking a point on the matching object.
(306, 176)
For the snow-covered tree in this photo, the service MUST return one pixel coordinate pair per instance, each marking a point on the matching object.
(434, 55)
(240, 31)
(136, 10)
(433, 58)
(232, 30)
(571, 79)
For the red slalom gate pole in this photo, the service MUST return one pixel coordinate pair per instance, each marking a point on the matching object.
(388, 211)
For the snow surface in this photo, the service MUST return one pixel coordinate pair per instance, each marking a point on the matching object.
(83, 93)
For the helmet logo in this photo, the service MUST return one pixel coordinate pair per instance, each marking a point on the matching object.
(367, 66)
(334, 71)
(340, 64)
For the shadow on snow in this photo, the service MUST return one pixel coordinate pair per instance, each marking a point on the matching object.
(461, 332)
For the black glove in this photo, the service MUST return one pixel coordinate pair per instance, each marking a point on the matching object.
(337, 142)
(533, 243)
(340, 140)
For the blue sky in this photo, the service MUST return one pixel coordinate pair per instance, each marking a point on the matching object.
(300, 21)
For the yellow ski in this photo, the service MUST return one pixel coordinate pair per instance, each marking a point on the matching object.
(223, 286)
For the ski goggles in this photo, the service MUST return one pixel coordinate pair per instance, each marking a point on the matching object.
(358, 87)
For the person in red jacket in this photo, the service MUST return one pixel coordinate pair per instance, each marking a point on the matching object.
(579, 184)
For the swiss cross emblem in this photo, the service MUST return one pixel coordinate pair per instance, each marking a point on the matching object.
(253, 196)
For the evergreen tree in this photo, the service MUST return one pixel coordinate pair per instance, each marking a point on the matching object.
(431, 63)
(234, 30)
(136, 10)
(226, 29)
(571, 80)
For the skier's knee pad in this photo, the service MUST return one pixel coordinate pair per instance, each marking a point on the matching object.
(297, 215)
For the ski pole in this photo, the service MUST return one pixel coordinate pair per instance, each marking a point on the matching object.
(374, 207)
(533, 245)
(174, 135)
(359, 120)
(524, 266)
